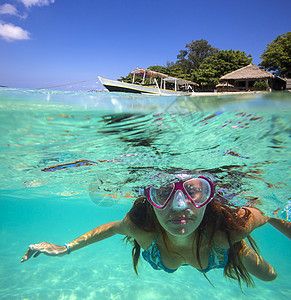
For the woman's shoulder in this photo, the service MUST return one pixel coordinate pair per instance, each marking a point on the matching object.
(144, 238)
(250, 218)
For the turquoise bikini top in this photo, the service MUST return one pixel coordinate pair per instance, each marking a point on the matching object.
(218, 258)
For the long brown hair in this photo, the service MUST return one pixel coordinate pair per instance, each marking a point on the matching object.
(218, 216)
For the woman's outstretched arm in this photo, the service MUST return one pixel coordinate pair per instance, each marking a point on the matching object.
(255, 264)
(257, 219)
(282, 226)
(95, 235)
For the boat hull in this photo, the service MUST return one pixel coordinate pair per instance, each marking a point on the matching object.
(118, 86)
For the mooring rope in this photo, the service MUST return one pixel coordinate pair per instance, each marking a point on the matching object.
(49, 87)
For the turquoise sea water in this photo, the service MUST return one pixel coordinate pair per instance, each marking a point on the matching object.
(121, 142)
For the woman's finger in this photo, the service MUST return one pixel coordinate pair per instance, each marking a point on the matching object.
(30, 251)
(36, 254)
(27, 255)
(24, 258)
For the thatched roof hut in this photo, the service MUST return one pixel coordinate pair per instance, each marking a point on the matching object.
(245, 78)
(249, 72)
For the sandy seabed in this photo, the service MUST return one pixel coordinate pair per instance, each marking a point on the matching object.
(104, 271)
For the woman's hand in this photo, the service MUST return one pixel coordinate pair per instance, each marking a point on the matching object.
(45, 248)
(95, 235)
(254, 219)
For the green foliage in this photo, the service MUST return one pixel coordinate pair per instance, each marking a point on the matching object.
(276, 57)
(261, 85)
(159, 69)
(219, 64)
(127, 79)
(202, 63)
(177, 71)
(173, 70)
(194, 55)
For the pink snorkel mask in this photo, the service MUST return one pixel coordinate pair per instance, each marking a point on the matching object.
(199, 190)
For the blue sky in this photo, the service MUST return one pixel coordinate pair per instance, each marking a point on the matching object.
(51, 42)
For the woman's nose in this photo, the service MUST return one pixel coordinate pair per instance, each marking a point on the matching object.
(180, 202)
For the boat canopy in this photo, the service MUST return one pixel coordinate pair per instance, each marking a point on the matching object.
(179, 81)
(148, 73)
(165, 79)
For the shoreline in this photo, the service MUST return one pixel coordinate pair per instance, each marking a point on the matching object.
(197, 94)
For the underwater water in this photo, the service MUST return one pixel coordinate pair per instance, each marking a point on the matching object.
(73, 161)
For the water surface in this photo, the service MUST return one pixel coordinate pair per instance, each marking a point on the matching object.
(73, 161)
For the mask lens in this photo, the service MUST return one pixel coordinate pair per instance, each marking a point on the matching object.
(199, 190)
(161, 195)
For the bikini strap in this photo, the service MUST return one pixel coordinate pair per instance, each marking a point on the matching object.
(156, 238)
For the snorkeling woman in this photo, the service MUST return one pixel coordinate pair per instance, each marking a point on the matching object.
(184, 223)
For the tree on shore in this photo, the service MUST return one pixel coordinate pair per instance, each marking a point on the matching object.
(276, 58)
(194, 55)
(217, 65)
(202, 63)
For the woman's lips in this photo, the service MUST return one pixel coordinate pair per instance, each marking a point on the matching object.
(181, 221)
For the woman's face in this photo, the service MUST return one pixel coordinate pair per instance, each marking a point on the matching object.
(180, 217)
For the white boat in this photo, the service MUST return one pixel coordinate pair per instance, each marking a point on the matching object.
(168, 85)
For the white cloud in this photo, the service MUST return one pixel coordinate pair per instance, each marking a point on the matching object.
(29, 3)
(8, 9)
(10, 32)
